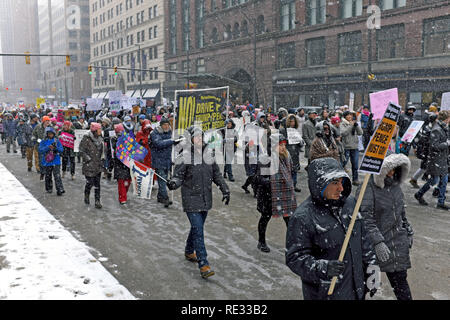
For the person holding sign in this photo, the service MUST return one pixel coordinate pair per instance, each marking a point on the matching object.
(350, 130)
(68, 153)
(317, 230)
(383, 211)
(292, 146)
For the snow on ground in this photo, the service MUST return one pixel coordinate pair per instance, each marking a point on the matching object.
(39, 259)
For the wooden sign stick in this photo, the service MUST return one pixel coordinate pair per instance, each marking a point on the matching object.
(350, 229)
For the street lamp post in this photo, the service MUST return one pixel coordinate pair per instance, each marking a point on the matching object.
(140, 67)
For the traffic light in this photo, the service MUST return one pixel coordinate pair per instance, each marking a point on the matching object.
(90, 69)
(371, 76)
(7, 89)
(68, 60)
(27, 58)
(115, 70)
(21, 89)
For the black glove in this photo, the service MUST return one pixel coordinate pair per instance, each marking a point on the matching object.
(171, 185)
(335, 268)
(226, 198)
(355, 124)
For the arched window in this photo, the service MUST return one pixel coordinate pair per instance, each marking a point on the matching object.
(214, 35)
(244, 28)
(227, 34)
(260, 26)
(236, 31)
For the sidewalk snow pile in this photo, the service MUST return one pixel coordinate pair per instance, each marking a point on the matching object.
(39, 259)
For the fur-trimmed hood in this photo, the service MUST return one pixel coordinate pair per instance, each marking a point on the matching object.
(391, 162)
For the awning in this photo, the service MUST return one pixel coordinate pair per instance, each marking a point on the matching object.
(151, 93)
(102, 95)
(129, 93)
(215, 80)
(137, 93)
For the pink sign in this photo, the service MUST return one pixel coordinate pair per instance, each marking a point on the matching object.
(67, 140)
(380, 100)
(60, 117)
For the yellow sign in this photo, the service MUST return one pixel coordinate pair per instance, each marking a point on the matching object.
(40, 101)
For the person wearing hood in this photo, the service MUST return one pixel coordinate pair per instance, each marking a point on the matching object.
(350, 130)
(309, 133)
(10, 127)
(324, 145)
(68, 154)
(230, 139)
(316, 234)
(291, 122)
(161, 150)
(23, 136)
(121, 171)
(128, 125)
(107, 166)
(142, 137)
(51, 149)
(281, 122)
(437, 165)
(406, 119)
(195, 176)
(91, 148)
(388, 229)
(275, 194)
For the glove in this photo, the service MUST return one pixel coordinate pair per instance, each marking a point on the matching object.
(335, 268)
(226, 198)
(175, 142)
(171, 185)
(355, 124)
(382, 252)
(410, 239)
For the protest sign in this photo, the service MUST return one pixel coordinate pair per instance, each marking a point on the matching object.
(294, 136)
(380, 100)
(114, 100)
(93, 104)
(127, 148)
(125, 103)
(445, 101)
(142, 179)
(412, 131)
(78, 136)
(201, 107)
(67, 139)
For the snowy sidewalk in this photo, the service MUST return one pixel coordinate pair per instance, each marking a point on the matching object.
(39, 259)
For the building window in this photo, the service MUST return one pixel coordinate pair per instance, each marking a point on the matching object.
(184, 66)
(286, 55)
(315, 51)
(436, 36)
(236, 31)
(350, 47)
(260, 25)
(227, 35)
(392, 4)
(287, 19)
(173, 67)
(351, 8)
(244, 28)
(173, 27)
(315, 11)
(201, 68)
(186, 24)
(200, 37)
(391, 42)
(214, 35)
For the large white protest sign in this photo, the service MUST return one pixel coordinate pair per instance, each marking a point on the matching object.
(93, 104)
(142, 179)
(294, 136)
(78, 136)
(445, 102)
(114, 100)
(125, 103)
(412, 131)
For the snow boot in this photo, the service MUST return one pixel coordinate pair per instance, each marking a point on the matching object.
(245, 189)
(420, 199)
(191, 257)
(436, 192)
(98, 204)
(231, 178)
(414, 184)
(442, 206)
(206, 272)
(263, 247)
(86, 197)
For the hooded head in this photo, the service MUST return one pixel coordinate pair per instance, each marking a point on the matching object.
(320, 128)
(127, 123)
(282, 112)
(321, 172)
(233, 125)
(398, 162)
(146, 126)
(49, 130)
(259, 116)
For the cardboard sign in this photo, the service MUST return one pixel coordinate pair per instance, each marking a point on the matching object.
(445, 102)
(67, 140)
(379, 143)
(136, 110)
(412, 131)
(294, 136)
(68, 114)
(380, 100)
(79, 135)
(142, 179)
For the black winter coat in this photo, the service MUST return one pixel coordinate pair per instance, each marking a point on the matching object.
(438, 157)
(316, 234)
(121, 171)
(195, 181)
(383, 211)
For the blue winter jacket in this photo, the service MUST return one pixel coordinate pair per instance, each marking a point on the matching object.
(10, 127)
(44, 147)
(161, 148)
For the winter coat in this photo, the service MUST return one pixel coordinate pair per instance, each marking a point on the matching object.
(308, 135)
(38, 133)
(195, 181)
(44, 148)
(404, 123)
(294, 149)
(68, 152)
(91, 148)
(24, 134)
(320, 148)
(142, 137)
(438, 156)
(282, 189)
(9, 127)
(316, 233)
(349, 135)
(383, 211)
(230, 138)
(121, 171)
(161, 148)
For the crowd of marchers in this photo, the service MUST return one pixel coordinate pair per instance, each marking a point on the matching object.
(316, 228)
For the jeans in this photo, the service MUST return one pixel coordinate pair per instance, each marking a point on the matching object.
(162, 191)
(196, 241)
(56, 172)
(353, 154)
(399, 284)
(431, 182)
(229, 170)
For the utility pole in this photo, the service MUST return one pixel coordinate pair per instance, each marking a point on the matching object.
(140, 67)
(253, 22)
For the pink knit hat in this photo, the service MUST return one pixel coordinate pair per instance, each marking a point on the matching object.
(335, 119)
(95, 126)
(118, 128)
